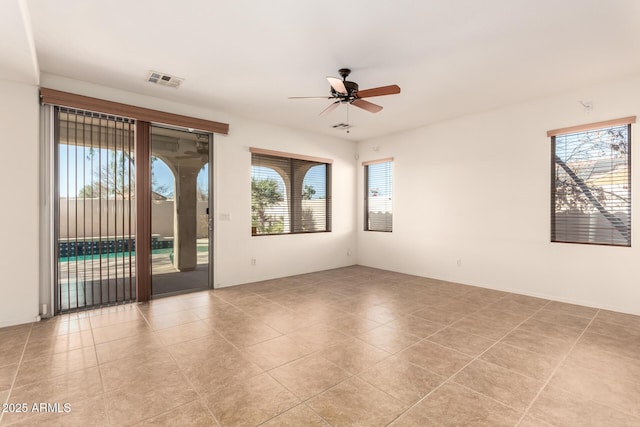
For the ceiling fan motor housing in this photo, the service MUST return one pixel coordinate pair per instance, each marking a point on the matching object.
(352, 89)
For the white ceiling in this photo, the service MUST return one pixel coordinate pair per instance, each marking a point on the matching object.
(245, 57)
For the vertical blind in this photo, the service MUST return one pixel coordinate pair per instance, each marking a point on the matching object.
(591, 186)
(378, 176)
(289, 195)
(95, 229)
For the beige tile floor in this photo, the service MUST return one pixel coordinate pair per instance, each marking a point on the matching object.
(352, 346)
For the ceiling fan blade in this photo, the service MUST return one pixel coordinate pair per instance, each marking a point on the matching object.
(310, 97)
(337, 85)
(366, 105)
(330, 108)
(378, 91)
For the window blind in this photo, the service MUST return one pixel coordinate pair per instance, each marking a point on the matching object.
(289, 194)
(95, 210)
(591, 186)
(378, 195)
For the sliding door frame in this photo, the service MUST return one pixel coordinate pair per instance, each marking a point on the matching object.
(143, 118)
(211, 210)
(143, 210)
(47, 203)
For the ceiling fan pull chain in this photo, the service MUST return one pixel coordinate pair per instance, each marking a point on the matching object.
(348, 126)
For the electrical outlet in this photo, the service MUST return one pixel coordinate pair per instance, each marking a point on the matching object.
(348, 252)
(459, 262)
(253, 261)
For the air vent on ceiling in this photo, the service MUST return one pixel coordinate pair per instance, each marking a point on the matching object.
(163, 79)
(341, 126)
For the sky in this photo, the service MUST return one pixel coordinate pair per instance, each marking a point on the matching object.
(163, 177)
(71, 184)
(72, 181)
(380, 178)
(315, 177)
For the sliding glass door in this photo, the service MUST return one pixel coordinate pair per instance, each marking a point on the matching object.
(180, 206)
(96, 240)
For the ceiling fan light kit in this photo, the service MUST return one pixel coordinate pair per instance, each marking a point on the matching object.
(349, 93)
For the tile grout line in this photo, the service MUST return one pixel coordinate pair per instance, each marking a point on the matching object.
(356, 375)
(380, 291)
(184, 377)
(409, 406)
(560, 362)
(15, 376)
(347, 378)
(609, 336)
(57, 377)
(104, 403)
(267, 371)
(451, 325)
(95, 351)
(509, 345)
(237, 349)
(98, 361)
(304, 401)
(426, 339)
(469, 363)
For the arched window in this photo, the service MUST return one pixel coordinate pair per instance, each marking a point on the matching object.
(314, 198)
(289, 193)
(163, 188)
(163, 181)
(203, 183)
(269, 202)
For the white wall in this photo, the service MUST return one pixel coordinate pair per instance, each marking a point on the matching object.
(19, 119)
(477, 189)
(276, 256)
(474, 189)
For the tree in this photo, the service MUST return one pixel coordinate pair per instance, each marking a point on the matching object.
(115, 176)
(264, 195)
(155, 185)
(202, 186)
(202, 195)
(89, 191)
(308, 192)
(576, 187)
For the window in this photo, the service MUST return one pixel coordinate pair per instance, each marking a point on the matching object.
(378, 195)
(289, 193)
(591, 184)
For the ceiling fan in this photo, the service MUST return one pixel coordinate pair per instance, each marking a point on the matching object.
(347, 92)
